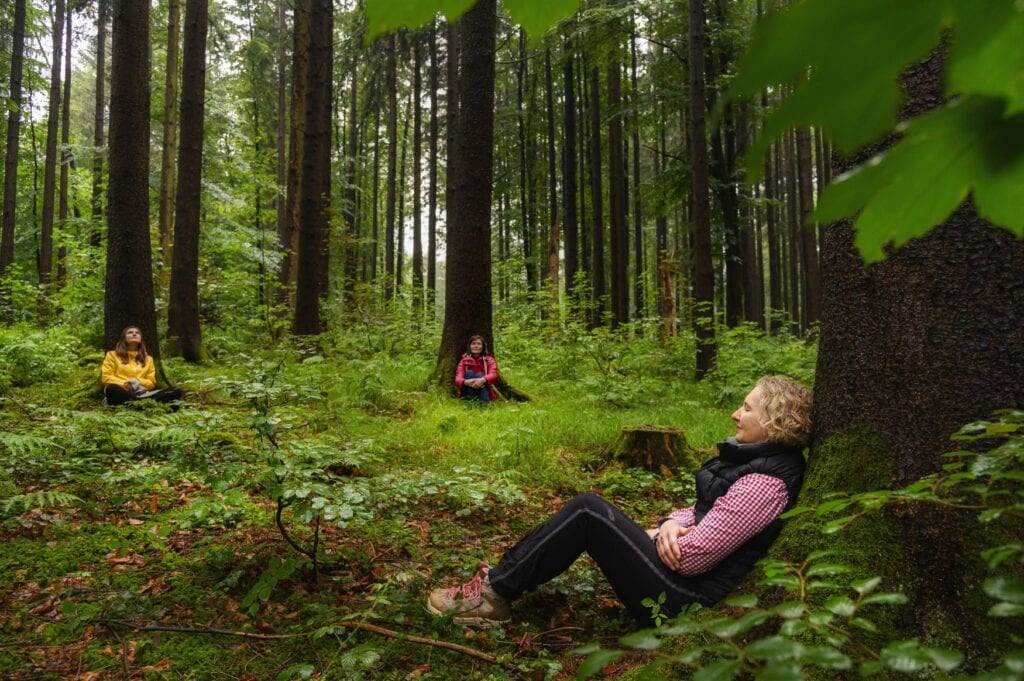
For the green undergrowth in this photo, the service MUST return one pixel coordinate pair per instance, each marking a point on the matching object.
(117, 518)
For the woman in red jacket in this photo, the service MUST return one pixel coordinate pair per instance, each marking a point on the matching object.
(477, 373)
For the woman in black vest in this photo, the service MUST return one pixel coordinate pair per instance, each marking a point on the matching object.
(697, 554)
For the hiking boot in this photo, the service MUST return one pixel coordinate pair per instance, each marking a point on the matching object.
(474, 603)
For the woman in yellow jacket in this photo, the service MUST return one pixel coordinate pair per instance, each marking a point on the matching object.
(128, 372)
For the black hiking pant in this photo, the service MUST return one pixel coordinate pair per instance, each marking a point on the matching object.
(116, 395)
(626, 555)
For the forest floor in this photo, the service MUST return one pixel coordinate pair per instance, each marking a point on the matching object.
(117, 519)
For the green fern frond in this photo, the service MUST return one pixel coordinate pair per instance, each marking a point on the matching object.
(22, 503)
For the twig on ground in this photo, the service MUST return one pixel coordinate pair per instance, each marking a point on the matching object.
(363, 626)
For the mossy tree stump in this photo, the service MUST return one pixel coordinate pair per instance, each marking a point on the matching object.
(654, 448)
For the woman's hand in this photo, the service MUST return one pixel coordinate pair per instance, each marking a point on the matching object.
(668, 543)
(652, 532)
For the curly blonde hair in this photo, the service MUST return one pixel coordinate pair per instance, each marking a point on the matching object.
(785, 410)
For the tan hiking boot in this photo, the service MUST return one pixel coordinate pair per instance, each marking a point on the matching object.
(474, 603)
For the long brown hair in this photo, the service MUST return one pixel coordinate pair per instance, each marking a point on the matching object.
(121, 349)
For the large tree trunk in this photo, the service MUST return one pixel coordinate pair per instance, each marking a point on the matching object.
(638, 241)
(280, 196)
(165, 221)
(619, 242)
(570, 223)
(10, 158)
(50, 166)
(351, 242)
(704, 274)
(470, 169)
(99, 139)
(66, 158)
(525, 223)
(293, 198)
(597, 235)
(417, 143)
(311, 274)
(554, 238)
(128, 298)
(392, 181)
(808, 230)
(432, 175)
(183, 300)
(911, 349)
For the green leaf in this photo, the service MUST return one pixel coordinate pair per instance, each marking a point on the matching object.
(833, 526)
(964, 145)
(943, 658)
(723, 670)
(841, 605)
(823, 656)
(729, 628)
(885, 597)
(866, 625)
(863, 586)
(870, 668)
(537, 18)
(780, 671)
(597, 661)
(1006, 610)
(772, 648)
(1005, 589)
(854, 52)
(743, 601)
(790, 609)
(905, 656)
(827, 570)
(383, 16)
(985, 57)
(296, 671)
(641, 640)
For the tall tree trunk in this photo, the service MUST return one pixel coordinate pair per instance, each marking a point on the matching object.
(468, 301)
(617, 198)
(350, 244)
(417, 134)
(570, 224)
(432, 176)
(525, 223)
(808, 230)
(392, 182)
(281, 168)
(375, 210)
(793, 236)
(311, 273)
(170, 141)
(128, 293)
(50, 166)
(400, 235)
(638, 242)
(704, 274)
(774, 246)
(897, 375)
(753, 280)
(597, 235)
(183, 301)
(296, 141)
(66, 158)
(554, 239)
(99, 139)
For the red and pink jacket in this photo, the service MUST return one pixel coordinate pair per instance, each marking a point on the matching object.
(484, 364)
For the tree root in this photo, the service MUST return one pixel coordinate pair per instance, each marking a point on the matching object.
(362, 626)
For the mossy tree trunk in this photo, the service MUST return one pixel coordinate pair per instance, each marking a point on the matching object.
(911, 349)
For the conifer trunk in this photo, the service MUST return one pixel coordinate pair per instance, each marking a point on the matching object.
(99, 134)
(165, 219)
(50, 165)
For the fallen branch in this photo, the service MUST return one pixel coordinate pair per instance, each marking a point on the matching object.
(362, 626)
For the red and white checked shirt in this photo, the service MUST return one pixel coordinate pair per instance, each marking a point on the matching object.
(749, 506)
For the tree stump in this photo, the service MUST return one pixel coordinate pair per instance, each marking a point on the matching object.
(654, 448)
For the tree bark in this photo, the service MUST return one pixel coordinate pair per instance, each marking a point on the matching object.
(167, 170)
(704, 274)
(597, 235)
(808, 230)
(417, 134)
(183, 300)
(911, 349)
(468, 302)
(66, 158)
(392, 181)
(350, 244)
(50, 165)
(525, 223)
(99, 139)
(619, 242)
(128, 298)
(570, 223)
(311, 273)
(296, 141)
(432, 177)
(638, 242)
(280, 196)
(554, 239)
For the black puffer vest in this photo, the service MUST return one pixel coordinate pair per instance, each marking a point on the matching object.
(716, 477)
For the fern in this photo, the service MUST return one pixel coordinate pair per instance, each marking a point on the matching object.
(23, 446)
(21, 503)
